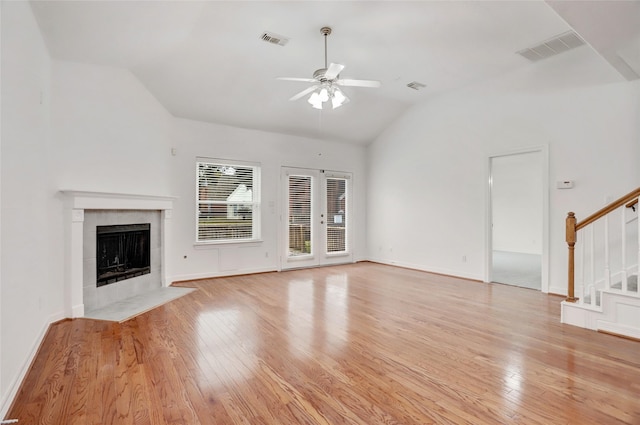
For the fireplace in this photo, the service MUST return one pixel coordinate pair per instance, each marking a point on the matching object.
(122, 252)
(121, 255)
(85, 212)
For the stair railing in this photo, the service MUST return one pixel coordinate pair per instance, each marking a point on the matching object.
(629, 200)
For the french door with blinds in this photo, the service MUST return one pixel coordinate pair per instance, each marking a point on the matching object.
(316, 218)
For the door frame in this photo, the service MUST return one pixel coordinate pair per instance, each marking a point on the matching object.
(544, 151)
(323, 257)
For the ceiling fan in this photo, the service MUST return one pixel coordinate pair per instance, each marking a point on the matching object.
(326, 82)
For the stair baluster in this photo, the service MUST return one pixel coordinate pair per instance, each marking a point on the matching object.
(592, 258)
(623, 252)
(582, 292)
(638, 223)
(607, 266)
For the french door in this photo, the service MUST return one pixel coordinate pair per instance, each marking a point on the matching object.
(316, 218)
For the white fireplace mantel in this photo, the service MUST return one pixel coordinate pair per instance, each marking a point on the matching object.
(116, 201)
(76, 202)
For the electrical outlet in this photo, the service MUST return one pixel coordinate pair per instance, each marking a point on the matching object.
(564, 184)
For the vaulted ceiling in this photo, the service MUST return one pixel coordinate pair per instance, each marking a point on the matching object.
(207, 61)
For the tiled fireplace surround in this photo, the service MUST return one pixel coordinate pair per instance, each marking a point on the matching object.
(86, 210)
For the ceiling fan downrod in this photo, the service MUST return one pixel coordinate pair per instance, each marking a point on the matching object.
(325, 31)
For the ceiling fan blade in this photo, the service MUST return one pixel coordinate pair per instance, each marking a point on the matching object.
(333, 71)
(304, 92)
(305, 80)
(358, 83)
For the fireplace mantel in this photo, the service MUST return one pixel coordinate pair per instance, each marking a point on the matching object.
(76, 202)
(116, 201)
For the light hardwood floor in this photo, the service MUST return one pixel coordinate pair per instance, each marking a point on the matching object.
(356, 344)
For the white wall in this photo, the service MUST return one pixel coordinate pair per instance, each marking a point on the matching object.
(196, 139)
(426, 198)
(31, 278)
(516, 199)
(110, 133)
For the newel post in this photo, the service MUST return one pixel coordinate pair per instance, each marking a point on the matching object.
(571, 241)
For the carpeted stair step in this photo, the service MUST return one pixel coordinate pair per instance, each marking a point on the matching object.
(632, 284)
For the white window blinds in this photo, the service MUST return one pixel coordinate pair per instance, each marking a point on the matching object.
(299, 215)
(227, 201)
(336, 215)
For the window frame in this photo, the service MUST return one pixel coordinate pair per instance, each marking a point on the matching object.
(254, 204)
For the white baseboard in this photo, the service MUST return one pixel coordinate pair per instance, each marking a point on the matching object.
(77, 310)
(208, 275)
(558, 290)
(14, 386)
(429, 269)
(618, 329)
(57, 317)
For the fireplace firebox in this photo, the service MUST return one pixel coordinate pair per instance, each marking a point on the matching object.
(122, 252)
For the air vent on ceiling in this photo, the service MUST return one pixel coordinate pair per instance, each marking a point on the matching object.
(416, 85)
(274, 38)
(556, 45)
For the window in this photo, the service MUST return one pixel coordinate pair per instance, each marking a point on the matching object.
(227, 201)
(300, 215)
(336, 214)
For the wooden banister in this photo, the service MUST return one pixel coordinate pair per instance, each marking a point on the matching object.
(628, 200)
(571, 241)
(607, 209)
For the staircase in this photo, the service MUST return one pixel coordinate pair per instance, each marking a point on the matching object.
(603, 290)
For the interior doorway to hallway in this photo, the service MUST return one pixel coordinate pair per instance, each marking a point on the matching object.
(517, 219)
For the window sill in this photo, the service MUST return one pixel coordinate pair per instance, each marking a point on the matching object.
(218, 244)
(306, 257)
(338, 254)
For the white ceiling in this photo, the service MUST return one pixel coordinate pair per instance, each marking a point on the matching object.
(206, 61)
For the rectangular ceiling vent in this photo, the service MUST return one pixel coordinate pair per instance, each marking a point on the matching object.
(416, 85)
(274, 38)
(554, 46)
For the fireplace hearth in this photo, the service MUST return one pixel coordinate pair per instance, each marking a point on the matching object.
(122, 252)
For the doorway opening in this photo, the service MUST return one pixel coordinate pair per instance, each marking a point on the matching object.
(518, 219)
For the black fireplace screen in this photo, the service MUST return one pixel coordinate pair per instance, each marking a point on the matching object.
(123, 252)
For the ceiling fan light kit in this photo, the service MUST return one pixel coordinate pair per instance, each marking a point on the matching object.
(322, 95)
(326, 81)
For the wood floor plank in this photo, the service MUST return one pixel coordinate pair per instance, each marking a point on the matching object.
(104, 405)
(360, 344)
(83, 370)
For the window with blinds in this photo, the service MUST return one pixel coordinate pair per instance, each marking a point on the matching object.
(227, 202)
(336, 215)
(300, 215)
